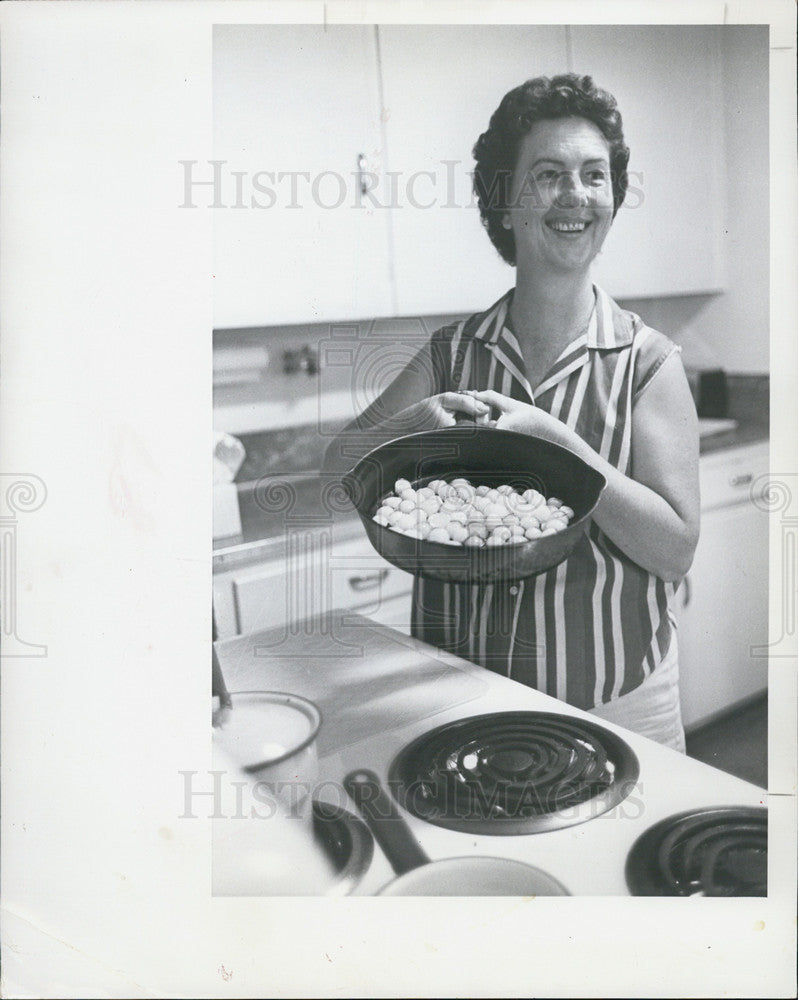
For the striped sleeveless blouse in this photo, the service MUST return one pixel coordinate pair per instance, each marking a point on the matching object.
(594, 627)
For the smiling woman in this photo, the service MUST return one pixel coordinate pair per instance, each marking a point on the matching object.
(560, 205)
(556, 358)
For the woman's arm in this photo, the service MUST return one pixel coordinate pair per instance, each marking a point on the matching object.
(652, 515)
(412, 402)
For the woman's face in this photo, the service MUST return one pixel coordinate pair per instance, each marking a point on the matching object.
(561, 195)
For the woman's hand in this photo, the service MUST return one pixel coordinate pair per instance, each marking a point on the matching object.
(652, 514)
(428, 414)
(515, 415)
(441, 411)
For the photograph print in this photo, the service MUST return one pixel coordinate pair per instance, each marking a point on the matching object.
(490, 459)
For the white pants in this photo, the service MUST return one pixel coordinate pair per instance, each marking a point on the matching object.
(653, 709)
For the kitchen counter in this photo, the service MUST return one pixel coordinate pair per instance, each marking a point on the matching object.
(749, 408)
(263, 536)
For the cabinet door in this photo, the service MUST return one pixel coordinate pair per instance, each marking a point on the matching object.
(440, 86)
(393, 611)
(667, 238)
(722, 610)
(362, 580)
(312, 577)
(295, 106)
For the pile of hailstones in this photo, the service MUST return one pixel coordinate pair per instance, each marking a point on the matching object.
(458, 513)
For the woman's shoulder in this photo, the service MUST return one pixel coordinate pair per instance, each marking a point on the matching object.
(650, 342)
(623, 327)
(648, 346)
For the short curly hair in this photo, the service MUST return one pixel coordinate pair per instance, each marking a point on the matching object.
(496, 151)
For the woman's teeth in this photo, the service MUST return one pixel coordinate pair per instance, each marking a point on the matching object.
(568, 227)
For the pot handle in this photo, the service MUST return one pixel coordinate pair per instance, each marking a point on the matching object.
(389, 828)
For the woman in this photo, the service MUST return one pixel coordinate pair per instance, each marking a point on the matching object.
(557, 358)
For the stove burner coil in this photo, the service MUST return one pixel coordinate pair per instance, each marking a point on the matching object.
(704, 852)
(513, 773)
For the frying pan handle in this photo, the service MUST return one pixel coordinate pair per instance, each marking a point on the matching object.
(390, 830)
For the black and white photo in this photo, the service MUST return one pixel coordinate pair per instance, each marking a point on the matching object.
(485, 594)
(436, 252)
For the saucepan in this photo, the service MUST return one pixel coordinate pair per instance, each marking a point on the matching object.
(457, 876)
(266, 767)
(485, 456)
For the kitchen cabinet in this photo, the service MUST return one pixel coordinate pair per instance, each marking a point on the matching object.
(345, 164)
(307, 576)
(391, 611)
(296, 115)
(440, 87)
(667, 237)
(722, 606)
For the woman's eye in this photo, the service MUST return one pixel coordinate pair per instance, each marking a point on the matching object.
(597, 176)
(546, 176)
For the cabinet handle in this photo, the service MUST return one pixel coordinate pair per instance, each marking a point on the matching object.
(362, 168)
(744, 479)
(368, 582)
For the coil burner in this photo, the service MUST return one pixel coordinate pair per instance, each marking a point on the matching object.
(704, 852)
(513, 773)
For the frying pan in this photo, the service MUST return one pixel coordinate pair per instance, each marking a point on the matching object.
(486, 456)
(418, 876)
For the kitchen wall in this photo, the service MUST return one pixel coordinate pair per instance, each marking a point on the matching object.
(355, 361)
(731, 330)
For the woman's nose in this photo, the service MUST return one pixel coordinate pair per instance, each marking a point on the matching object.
(570, 192)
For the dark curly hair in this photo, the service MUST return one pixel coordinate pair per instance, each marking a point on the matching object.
(496, 151)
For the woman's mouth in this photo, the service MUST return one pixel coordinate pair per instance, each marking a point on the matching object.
(568, 228)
